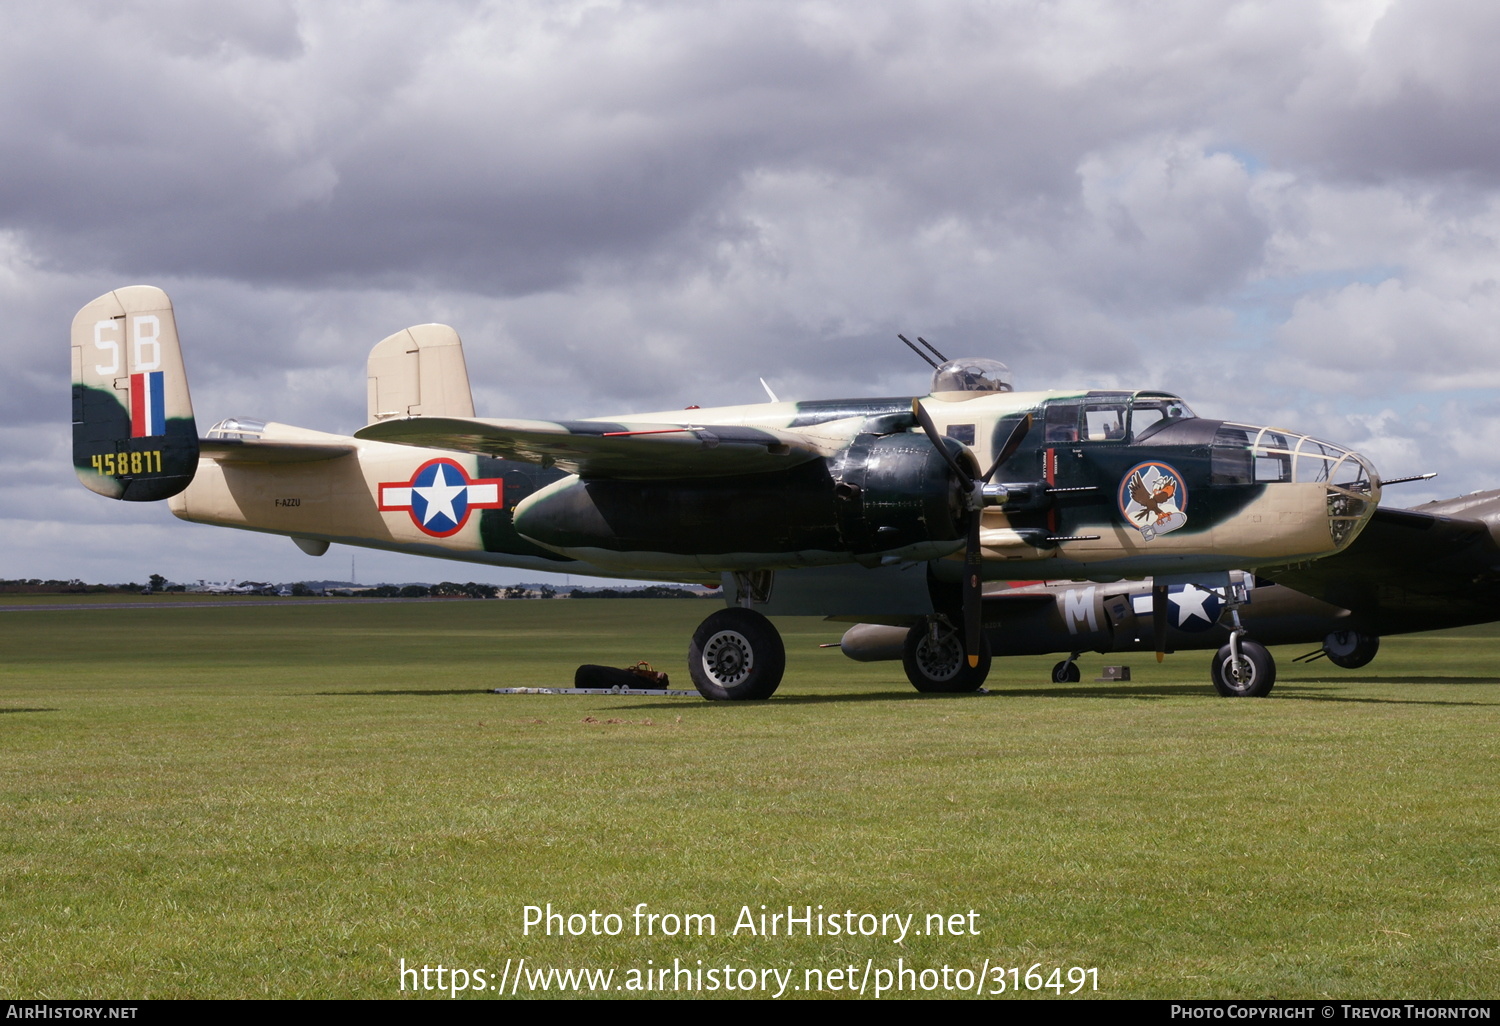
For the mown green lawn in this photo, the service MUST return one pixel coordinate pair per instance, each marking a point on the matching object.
(287, 801)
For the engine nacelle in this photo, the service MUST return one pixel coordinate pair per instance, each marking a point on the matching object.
(889, 494)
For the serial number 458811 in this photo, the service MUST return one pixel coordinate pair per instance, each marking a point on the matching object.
(119, 463)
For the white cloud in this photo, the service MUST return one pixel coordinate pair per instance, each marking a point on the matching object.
(1285, 210)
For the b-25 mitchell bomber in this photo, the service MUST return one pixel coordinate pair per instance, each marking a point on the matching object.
(877, 508)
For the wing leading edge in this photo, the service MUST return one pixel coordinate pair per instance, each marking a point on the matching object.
(599, 449)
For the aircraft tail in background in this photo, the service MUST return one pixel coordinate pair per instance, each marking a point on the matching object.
(134, 437)
(419, 372)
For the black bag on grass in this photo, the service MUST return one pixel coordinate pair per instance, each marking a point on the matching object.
(641, 675)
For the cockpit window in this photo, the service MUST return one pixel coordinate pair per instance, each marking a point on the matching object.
(1232, 461)
(1147, 416)
(1062, 423)
(971, 375)
(1104, 422)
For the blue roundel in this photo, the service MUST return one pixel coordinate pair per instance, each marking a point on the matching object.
(440, 497)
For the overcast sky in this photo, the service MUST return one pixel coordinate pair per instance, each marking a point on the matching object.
(1288, 211)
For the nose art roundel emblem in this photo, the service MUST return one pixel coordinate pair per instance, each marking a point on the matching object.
(440, 495)
(1153, 499)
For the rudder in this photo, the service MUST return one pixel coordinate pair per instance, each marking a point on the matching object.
(419, 372)
(134, 436)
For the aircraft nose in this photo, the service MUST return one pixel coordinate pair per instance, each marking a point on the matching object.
(1350, 484)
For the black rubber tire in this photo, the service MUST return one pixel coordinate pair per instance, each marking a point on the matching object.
(941, 668)
(736, 656)
(1355, 649)
(1256, 677)
(1066, 672)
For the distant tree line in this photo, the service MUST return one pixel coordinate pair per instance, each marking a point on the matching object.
(447, 589)
(653, 591)
(36, 585)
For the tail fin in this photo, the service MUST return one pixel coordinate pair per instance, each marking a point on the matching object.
(133, 432)
(419, 372)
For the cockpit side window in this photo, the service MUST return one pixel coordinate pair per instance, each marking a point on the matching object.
(1143, 417)
(961, 432)
(1232, 462)
(1062, 423)
(1150, 415)
(1104, 422)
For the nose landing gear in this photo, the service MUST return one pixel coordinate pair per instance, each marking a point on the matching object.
(1242, 668)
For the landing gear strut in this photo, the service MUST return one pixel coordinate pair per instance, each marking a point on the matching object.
(935, 662)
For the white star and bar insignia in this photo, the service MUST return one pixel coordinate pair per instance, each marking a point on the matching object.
(440, 495)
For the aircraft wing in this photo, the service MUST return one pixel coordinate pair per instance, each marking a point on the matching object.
(1408, 571)
(235, 450)
(600, 449)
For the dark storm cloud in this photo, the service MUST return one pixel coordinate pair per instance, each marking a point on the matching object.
(504, 151)
(1285, 209)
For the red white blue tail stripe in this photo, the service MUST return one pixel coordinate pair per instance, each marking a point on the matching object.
(148, 404)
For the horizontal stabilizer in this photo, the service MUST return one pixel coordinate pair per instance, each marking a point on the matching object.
(598, 449)
(233, 450)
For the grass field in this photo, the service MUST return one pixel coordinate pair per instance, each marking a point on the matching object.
(287, 801)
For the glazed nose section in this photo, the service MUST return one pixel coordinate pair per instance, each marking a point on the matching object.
(1346, 482)
(1353, 494)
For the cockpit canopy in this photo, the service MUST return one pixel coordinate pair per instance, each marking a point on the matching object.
(1112, 416)
(237, 429)
(969, 377)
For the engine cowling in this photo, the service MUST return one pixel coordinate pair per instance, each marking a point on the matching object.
(895, 491)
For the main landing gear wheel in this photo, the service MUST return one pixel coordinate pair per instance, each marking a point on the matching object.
(1351, 649)
(736, 655)
(939, 665)
(1066, 672)
(1250, 677)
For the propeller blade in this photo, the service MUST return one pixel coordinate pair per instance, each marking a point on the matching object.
(938, 443)
(1159, 619)
(973, 588)
(973, 592)
(1017, 436)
